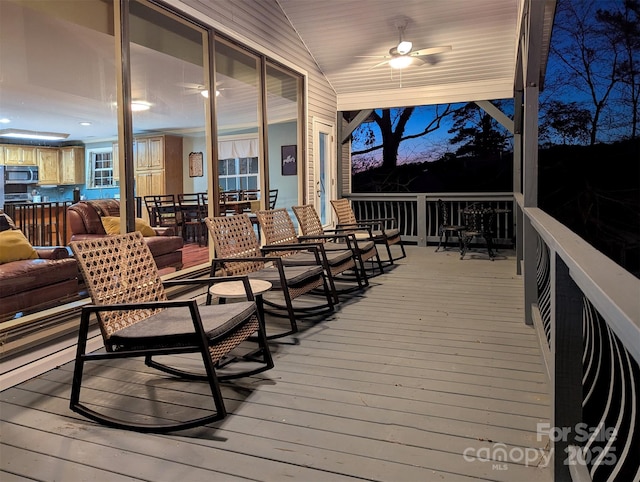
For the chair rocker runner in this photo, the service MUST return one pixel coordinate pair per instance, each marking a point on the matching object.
(381, 230)
(137, 320)
(238, 253)
(279, 232)
(311, 228)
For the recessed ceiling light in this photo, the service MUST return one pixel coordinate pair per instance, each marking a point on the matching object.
(39, 135)
(4, 120)
(85, 123)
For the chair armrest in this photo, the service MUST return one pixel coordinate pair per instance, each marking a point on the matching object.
(354, 227)
(144, 305)
(316, 248)
(348, 237)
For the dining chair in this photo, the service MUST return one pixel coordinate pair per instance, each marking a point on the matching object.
(445, 229)
(381, 230)
(311, 229)
(149, 204)
(137, 320)
(192, 213)
(238, 253)
(167, 212)
(273, 198)
(279, 232)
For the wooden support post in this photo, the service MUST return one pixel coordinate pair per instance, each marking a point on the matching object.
(421, 214)
(566, 347)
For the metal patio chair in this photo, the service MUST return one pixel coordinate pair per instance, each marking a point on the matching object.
(137, 320)
(279, 232)
(381, 230)
(238, 253)
(311, 228)
(445, 229)
(478, 221)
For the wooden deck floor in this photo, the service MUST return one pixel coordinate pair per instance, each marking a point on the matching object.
(428, 368)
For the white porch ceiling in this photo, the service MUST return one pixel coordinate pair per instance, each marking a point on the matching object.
(483, 35)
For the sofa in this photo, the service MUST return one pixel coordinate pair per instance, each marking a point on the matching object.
(48, 277)
(85, 221)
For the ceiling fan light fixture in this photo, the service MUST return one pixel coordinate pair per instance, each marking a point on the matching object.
(400, 62)
(205, 93)
(404, 47)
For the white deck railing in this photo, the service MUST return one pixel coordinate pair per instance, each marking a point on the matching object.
(586, 310)
(418, 217)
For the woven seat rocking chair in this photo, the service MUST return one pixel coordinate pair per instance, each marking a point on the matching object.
(137, 320)
(238, 253)
(279, 232)
(337, 239)
(381, 230)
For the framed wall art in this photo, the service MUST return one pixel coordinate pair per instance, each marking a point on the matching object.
(289, 160)
(195, 164)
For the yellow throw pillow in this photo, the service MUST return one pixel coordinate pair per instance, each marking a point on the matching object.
(112, 226)
(144, 228)
(15, 247)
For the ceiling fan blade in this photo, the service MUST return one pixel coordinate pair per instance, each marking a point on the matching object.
(430, 51)
(372, 56)
(379, 65)
(190, 85)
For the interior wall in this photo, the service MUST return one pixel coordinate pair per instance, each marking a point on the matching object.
(194, 184)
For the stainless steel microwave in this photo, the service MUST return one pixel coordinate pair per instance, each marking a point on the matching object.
(21, 174)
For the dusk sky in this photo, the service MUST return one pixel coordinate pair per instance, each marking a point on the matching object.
(433, 145)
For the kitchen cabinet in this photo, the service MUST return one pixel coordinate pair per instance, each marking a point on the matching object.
(149, 183)
(158, 156)
(161, 158)
(19, 155)
(48, 165)
(72, 164)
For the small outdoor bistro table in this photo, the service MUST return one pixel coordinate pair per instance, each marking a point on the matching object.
(235, 289)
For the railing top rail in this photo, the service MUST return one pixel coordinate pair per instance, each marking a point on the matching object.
(612, 290)
(461, 196)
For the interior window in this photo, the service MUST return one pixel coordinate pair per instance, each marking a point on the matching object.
(101, 168)
(238, 173)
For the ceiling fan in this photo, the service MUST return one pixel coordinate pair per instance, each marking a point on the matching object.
(403, 55)
(193, 88)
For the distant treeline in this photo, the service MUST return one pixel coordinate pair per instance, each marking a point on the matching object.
(594, 190)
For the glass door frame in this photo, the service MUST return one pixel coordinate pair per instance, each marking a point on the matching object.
(324, 169)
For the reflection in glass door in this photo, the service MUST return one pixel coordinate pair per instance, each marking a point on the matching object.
(237, 110)
(324, 169)
(168, 97)
(284, 139)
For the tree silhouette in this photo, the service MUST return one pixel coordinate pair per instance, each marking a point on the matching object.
(623, 29)
(589, 58)
(392, 124)
(477, 132)
(567, 120)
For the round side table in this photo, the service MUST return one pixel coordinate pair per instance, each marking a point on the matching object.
(235, 289)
